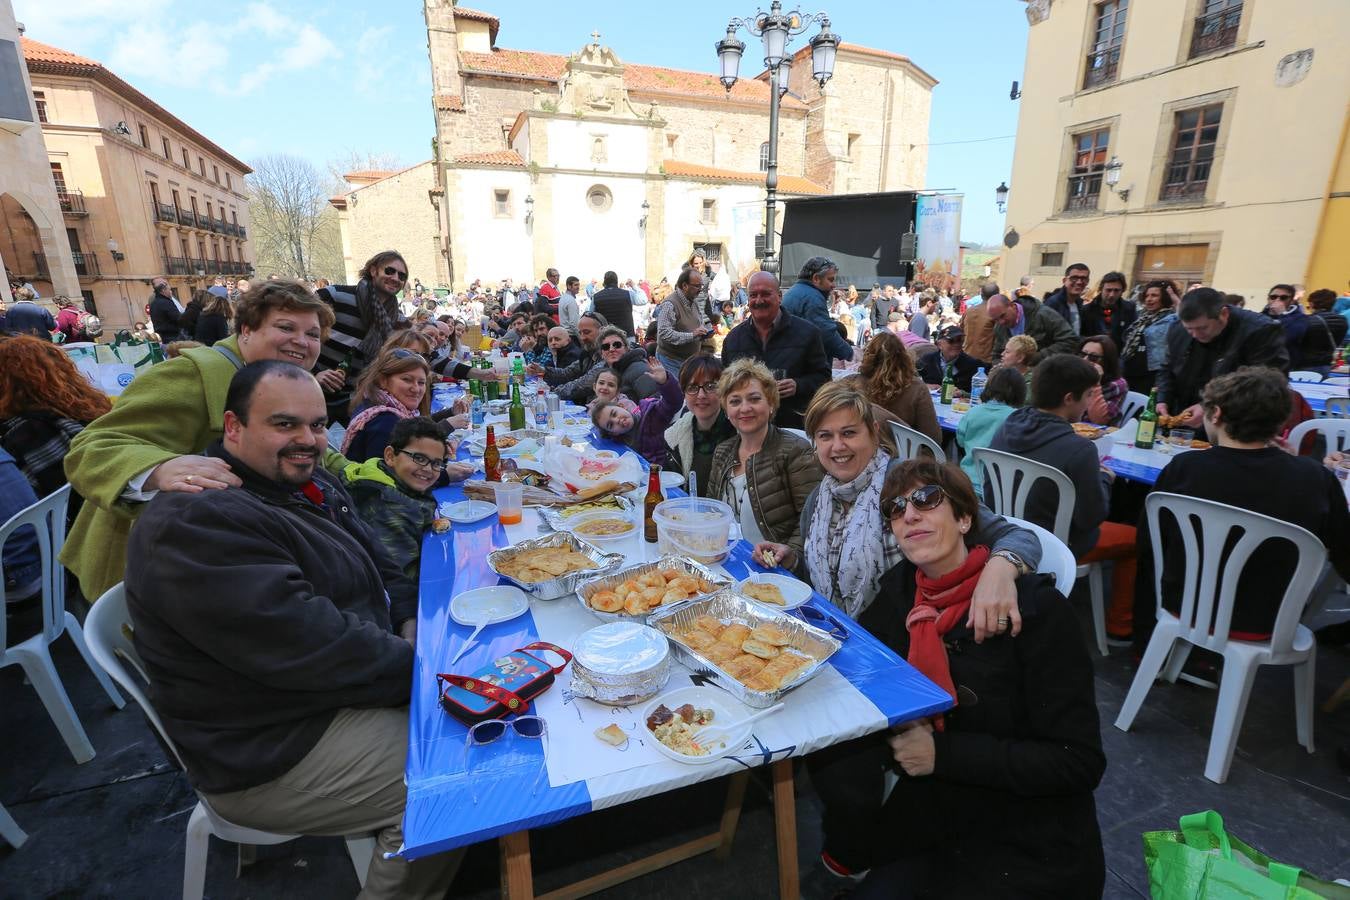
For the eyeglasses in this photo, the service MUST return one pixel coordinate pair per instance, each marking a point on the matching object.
(707, 389)
(821, 620)
(426, 462)
(532, 727)
(614, 346)
(396, 273)
(925, 498)
(1091, 357)
(403, 353)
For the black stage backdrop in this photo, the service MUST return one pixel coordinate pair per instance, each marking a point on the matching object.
(860, 232)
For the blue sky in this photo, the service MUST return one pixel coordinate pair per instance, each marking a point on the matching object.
(325, 80)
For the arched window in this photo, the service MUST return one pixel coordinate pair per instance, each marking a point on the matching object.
(764, 157)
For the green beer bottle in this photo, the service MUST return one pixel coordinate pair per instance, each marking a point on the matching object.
(517, 410)
(948, 388)
(1148, 423)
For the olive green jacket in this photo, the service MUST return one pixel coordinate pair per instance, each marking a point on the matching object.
(174, 409)
(778, 478)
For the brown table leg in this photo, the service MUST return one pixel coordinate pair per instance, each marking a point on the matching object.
(785, 827)
(517, 876)
(731, 812)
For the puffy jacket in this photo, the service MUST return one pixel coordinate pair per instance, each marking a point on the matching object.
(1307, 339)
(779, 478)
(1249, 339)
(634, 379)
(654, 417)
(805, 301)
(793, 346)
(1071, 313)
(397, 515)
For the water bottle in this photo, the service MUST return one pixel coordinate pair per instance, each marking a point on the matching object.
(476, 412)
(541, 411)
(977, 386)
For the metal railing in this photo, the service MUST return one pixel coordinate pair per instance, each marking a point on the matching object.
(1102, 66)
(176, 265)
(163, 212)
(1185, 190)
(185, 217)
(1216, 31)
(86, 264)
(72, 202)
(1084, 191)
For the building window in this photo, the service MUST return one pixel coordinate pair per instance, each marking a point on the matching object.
(59, 177)
(193, 201)
(40, 100)
(1193, 140)
(501, 204)
(764, 157)
(201, 166)
(671, 141)
(1216, 28)
(599, 199)
(708, 213)
(182, 242)
(187, 163)
(234, 217)
(1048, 259)
(1051, 259)
(145, 136)
(177, 203)
(229, 185)
(215, 174)
(154, 196)
(209, 213)
(164, 142)
(164, 246)
(1089, 161)
(1103, 59)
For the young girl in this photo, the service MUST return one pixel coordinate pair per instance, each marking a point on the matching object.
(643, 429)
(607, 391)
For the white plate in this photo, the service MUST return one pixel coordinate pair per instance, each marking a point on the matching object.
(489, 605)
(795, 592)
(467, 511)
(725, 707)
(671, 480)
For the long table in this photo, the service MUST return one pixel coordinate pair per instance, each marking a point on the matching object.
(457, 797)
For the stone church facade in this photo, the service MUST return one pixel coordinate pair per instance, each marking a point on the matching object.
(587, 162)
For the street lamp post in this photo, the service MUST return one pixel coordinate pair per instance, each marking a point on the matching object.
(776, 29)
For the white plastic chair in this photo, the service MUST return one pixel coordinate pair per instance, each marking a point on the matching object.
(908, 443)
(1131, 406)
(798, 432)
(1305, 376)
(1336, 432)
(48, 518)
(1338, 408)
(1011, 477)
(1056, 557)
(110, 632)
(1209, 589)
(10, 830)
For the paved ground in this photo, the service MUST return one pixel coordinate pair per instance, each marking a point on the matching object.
(114, 827)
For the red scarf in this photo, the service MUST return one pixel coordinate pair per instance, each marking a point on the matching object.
(940, 605)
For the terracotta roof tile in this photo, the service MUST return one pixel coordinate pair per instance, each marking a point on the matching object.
(44, 59)
(788, 184)
(494, 23)
(637, 78)
(370, 174)
(449, 102)
(493, 158)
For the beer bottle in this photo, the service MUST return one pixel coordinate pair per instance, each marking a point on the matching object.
(948, 388)
(492, 457)
(649, 504)
(517, 410)
(1148, 423)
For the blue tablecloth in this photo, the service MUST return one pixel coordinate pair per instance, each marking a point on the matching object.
(457, 797)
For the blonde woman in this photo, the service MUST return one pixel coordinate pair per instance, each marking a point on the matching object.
(1020, 353)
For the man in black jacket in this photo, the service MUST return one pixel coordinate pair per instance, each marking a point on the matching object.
(165, 314)
(787, 345)
(1108, 313)
(951, 355)
(1068, 300)
(263, 616)
(615, 304)
(1210, 339)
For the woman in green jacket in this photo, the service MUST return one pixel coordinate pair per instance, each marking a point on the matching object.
(151, 439)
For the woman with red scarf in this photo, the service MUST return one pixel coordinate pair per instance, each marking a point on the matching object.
(994, 798)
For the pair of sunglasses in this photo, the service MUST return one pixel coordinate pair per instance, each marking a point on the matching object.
(1092, 357)
(491, 730)
(924, 498)
(611, 346)
(823, 621)
(395, 273)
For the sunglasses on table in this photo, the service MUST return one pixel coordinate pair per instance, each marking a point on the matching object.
(426, 462)
(823, 621)
(484, 733)
(925, 498)
(391, 272)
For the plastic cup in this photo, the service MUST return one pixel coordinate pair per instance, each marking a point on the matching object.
(510, 497)
(1180, 438)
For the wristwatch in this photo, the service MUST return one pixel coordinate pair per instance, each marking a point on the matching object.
(1021, 567)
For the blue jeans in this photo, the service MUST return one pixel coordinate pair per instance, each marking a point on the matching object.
(672, 366)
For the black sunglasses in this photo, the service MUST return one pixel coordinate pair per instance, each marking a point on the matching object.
(1285, 297)
(824, 622)
(425, 461)
(925, 498)
(396, 273)
(618, 346)
(1091, 357)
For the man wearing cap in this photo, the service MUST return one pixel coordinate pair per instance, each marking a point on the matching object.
(950, 357)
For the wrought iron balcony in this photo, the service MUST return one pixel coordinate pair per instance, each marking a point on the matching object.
(176, 265)
(163, 212)
(72, 203)
(1216, 31)
(1102, 67)
(86, 265)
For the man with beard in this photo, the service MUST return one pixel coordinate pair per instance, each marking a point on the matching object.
(790, 347)
(270, 607)
(575, 382)
(1109, 313)
(366, 315)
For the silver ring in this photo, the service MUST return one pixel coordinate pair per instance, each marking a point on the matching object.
(1003, 620)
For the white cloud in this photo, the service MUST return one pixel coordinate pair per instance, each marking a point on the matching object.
(310, 49)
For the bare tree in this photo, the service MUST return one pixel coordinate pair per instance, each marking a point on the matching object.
(356, 161)
(295, 230)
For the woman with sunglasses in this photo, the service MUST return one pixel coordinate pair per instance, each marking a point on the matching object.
(696, 433)
(391, 388)
(845, 548)
(392, 492)
(629, 362)
(1104, 403)
(994, 797)
(367, 313)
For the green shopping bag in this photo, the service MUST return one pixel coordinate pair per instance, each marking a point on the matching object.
(1202, 862)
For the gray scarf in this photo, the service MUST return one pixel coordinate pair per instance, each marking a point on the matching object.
(849, 579)
(377, 316)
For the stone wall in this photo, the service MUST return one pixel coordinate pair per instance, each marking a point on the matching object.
(394, 213)
(729, 137)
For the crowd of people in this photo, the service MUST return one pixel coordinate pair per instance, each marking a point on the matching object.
(272, 578)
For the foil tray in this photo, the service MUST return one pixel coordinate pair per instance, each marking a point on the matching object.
(566, 584)
(620, 664)
(730, 606)
(590, 585)
(558, 522)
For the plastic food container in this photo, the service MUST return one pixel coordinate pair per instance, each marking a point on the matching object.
(694, 527)
(588, 587)
(620, 663)
(563, 585)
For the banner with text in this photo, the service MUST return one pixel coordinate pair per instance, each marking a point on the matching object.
(939, 231)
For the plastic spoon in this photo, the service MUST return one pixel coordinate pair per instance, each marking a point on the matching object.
(478, 629)
(746, 721)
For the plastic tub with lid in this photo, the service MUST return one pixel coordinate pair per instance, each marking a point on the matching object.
(694, 527)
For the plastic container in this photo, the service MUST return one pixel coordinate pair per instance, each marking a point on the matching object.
(977, 382)
(694, 527)
(510, 496)
(620, 663)
(583, 526)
